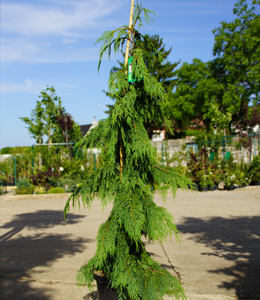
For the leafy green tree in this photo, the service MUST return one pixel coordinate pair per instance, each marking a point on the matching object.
(52, 106)
(35, 122)
(43, 117)
(236, 65)
(50, 118)
(127, 177)
(194, 101)
(5, 150)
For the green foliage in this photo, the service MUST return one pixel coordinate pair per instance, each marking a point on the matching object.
(236, 65)
(253, 173)
(23, 182)
(44, 179)
(194, 101)
(56, 190)
(39, 190)
(131, 170)
(24, 190)
(51, 119)
(15, 150)
(202, 138)
(5, 150)
(69, 183)
(202, 172)
(158, 66)
(218, 93)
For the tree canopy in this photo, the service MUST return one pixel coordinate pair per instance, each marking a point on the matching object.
(49, 118)
(218, 93)
(194, 101)
(236, 65)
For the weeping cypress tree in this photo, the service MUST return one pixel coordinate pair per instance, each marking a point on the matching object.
(129, 177)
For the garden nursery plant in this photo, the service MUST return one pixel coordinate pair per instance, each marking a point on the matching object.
(127, 177)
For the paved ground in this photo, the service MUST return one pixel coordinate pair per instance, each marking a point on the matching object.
(218, 258)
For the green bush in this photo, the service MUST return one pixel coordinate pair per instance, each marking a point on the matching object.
(24, 190)
(23, 182)
(253, 172)
(56, 190)
(39, 190)
(68, 183)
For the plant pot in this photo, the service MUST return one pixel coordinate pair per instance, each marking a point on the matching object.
(204, 189)
(254, 182)
(230, 188)
(214, 187)
(104, 292)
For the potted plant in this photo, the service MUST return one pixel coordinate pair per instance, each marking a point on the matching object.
(241, 179)
(253, 173)
(198, 170)
(211, 179)
(126, 180)
(230, 180)
(203, 181)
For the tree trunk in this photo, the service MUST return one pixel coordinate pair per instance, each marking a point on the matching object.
(50, 141)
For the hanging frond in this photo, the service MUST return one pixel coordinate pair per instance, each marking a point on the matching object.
(120, 253)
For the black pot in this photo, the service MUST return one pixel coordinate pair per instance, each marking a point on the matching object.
(230, 188)
(214, 188)
(104, 292)
(204, 189)
(254, 182)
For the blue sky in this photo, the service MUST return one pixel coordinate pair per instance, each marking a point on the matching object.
(51, 42)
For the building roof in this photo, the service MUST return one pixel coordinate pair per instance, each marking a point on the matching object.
(85, 128)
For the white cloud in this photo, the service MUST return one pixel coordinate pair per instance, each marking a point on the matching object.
(54, 31)
(34, 51)
(65, 20)
(28, 87)
(16, 50)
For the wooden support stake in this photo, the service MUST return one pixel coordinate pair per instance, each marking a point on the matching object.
(126, 60)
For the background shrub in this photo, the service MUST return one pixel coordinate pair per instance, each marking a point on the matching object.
(56, 190)
(68, 183)
(253, 172)
(23, 182)
(39, 190)
(24, 190)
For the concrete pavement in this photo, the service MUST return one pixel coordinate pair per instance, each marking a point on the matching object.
(218, 257)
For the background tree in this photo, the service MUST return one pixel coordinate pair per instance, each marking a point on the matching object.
(236, 65)
(50, 118)
(66, 125)
(52, 106)
(194, 101)
(35, 123)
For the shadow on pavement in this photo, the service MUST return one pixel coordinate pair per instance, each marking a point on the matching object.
(20, 254)
(234, 239)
